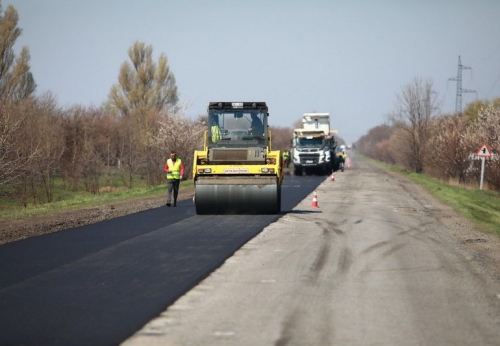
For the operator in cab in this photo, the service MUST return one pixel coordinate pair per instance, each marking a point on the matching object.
(256, 126)
(215, 129)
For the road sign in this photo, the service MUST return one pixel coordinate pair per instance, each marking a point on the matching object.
(484, 151)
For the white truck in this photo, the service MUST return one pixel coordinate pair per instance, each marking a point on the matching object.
(313, 146)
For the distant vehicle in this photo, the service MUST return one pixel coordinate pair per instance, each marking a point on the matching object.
(313, 146)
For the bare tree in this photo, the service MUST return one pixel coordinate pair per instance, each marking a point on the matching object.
(90, 137)
(12, 160)
(376, 144)
(131, 150)
(38, 146)
(281, 137)
(297, 124)
(16, 80)
(417, 105)
(46, 125)
(177, 132)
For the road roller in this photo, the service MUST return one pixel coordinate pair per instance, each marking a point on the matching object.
(237, 172)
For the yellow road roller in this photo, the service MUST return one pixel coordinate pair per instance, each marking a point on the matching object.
(237, 172)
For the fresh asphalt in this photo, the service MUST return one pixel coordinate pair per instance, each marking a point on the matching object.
(100, 283)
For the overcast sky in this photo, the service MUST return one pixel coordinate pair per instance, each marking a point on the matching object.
(349, 58)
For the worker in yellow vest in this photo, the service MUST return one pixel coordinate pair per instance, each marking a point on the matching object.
(342, 156)
(175, 171)
(286, 158)
(216, 133)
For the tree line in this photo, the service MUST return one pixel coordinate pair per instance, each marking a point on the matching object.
(88, 147)
(129, 136)
(418, 138)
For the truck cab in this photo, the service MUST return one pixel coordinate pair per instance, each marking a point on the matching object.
(313, 146)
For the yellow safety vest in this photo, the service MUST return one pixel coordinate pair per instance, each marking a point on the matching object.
(175, 169)
(216, 134)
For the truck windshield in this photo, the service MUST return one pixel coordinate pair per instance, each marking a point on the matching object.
(309, 142)
(241, 128)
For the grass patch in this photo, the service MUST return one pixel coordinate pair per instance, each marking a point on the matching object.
(80, 200)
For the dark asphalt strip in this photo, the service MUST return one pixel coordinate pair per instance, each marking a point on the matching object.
(98, 284)
(138, 277)
(30, 257)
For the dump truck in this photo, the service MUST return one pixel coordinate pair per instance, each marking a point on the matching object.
(313, 146)
(237, 172)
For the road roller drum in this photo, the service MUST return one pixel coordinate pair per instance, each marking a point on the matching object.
(237, 195)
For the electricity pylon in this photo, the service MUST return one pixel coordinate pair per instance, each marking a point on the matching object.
(458, 79)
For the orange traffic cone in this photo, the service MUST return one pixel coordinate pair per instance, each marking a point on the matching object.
(332, 178)
(315, 200)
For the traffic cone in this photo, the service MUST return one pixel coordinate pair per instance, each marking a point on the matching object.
(332, 178)
(348, 163)
(315, 200)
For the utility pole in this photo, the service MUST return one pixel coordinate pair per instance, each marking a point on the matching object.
(458, 79)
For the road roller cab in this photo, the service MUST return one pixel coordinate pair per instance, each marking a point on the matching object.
(237, 172)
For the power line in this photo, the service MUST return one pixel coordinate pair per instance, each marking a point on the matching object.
(458, 79)
(494, 84)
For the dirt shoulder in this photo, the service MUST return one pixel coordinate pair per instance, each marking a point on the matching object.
(484, 244)
(34, 226)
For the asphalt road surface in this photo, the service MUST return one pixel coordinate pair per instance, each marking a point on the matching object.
(98, 284)
(375, 264)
